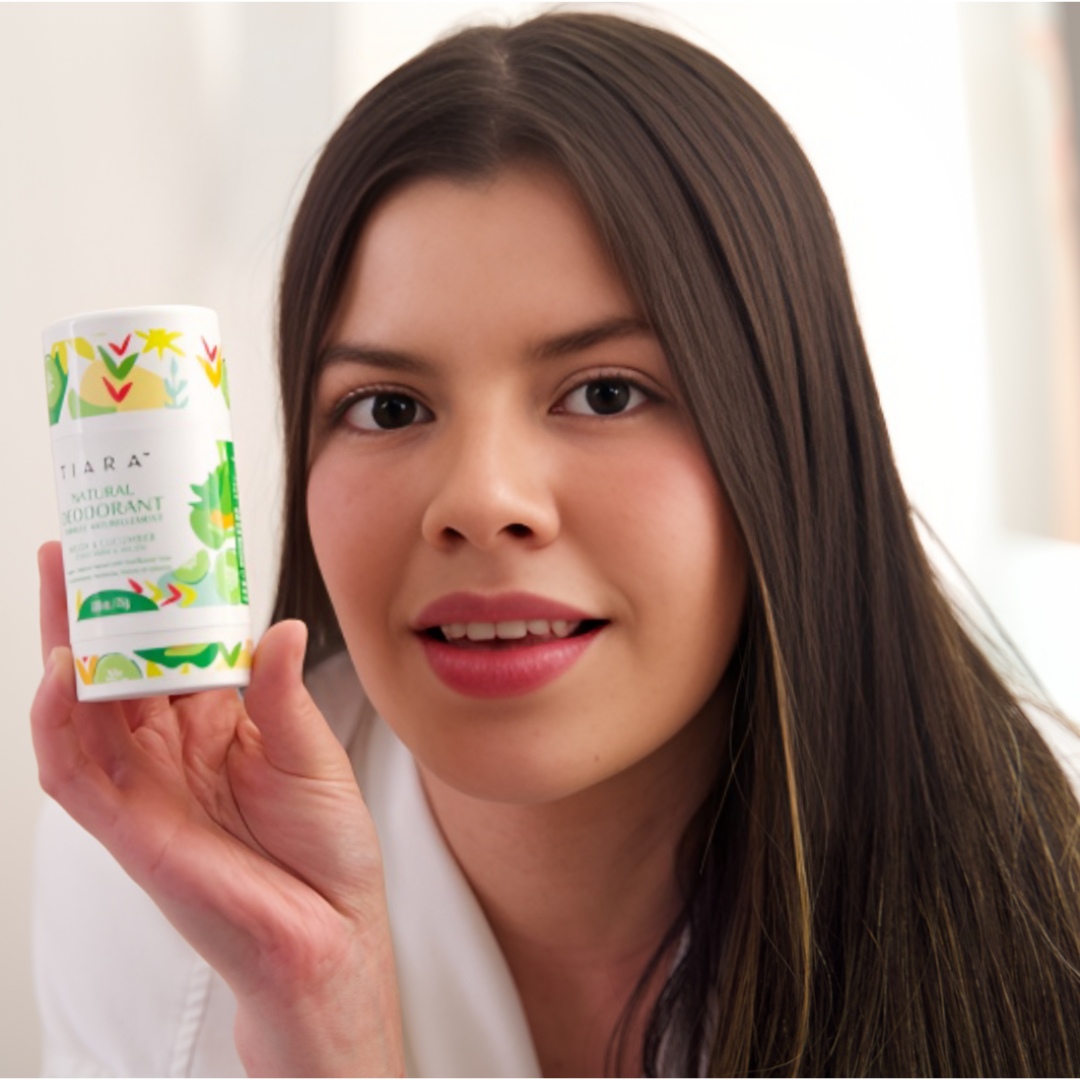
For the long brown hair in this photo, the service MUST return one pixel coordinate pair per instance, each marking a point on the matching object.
(884, 877)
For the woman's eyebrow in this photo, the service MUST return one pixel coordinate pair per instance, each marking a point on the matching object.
(586, 337)
(590, 336)
(373, 356)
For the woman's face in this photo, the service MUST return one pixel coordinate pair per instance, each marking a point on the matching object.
(537, 576)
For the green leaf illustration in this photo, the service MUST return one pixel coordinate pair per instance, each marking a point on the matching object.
(213, 516)
(202, 656)
(231, 655)
(174, 388)
(55, 384)
(118, 371)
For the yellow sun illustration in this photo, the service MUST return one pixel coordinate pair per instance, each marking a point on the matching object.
(160, 340)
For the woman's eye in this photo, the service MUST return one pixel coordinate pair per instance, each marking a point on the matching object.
(603, 397)
(385, 411)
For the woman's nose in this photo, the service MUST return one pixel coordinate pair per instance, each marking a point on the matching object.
(493, 487)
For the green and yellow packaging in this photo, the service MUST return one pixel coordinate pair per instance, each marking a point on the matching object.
(149, 509)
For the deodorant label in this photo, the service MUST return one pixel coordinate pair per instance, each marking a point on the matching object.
(146, 488)
(144, 532)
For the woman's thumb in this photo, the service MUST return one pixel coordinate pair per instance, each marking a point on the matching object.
(295, 736)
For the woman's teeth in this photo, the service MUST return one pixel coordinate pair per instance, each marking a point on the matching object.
(509, 631)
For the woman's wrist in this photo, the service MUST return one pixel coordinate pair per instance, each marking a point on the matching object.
(348, 1024)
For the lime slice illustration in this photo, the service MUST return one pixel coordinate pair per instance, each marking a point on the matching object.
(227, 577)
(55, 384)
(115, 667)
(194, 570)
(175, 656)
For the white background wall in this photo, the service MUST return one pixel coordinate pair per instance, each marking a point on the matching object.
(152, 153)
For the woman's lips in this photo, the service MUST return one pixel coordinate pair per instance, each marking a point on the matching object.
(507, 668)
(467, 607)
(502, 645)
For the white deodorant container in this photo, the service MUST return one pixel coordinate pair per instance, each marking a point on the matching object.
(149, 514)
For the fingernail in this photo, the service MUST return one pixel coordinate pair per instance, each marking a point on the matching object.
(57, 669)
(50, 663)
(303, 641)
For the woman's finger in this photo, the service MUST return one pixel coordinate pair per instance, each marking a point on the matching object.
(55, 631)
(54, 619)
(295, 736)
(104, 734)
(65, 770)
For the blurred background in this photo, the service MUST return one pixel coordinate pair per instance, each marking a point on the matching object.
(155, 153)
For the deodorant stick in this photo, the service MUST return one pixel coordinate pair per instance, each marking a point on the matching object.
(149, 510)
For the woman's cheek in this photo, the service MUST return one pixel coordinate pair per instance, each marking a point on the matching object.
(358, 516)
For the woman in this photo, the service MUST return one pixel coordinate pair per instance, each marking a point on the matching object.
(588, 478)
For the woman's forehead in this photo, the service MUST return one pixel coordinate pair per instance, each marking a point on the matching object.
(516, 244)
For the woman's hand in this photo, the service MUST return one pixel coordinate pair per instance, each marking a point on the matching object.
(244, 823)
